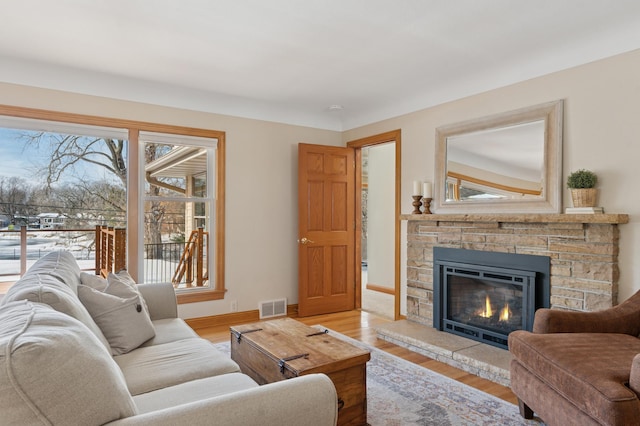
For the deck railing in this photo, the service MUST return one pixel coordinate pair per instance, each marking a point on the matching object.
(21, 247)
(182, 263)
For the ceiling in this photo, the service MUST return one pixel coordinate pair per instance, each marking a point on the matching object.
(291, 60)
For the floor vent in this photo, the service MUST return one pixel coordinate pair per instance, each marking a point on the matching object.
(273, 308)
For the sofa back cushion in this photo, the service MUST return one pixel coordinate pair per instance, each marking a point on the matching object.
(44, 288)
(53, 370)
(60, 265)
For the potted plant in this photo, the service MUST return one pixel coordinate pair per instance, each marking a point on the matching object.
(582, 185)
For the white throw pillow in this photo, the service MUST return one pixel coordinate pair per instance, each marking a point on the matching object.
(120, 313)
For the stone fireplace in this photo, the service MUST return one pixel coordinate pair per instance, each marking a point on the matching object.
(583, 253)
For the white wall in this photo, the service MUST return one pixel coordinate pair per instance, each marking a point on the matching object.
(381, 215)
(601, 132)
(261, 190)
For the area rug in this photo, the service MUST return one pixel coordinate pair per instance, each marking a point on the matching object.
(401, 393)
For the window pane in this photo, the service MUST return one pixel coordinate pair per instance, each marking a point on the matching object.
(175, 170)
(176, 243)
(55, 179)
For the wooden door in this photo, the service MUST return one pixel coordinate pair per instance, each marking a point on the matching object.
(326, 221)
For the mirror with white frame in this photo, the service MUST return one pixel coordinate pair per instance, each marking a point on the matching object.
(505, 163)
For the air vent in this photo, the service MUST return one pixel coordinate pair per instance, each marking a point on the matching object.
(273, 308)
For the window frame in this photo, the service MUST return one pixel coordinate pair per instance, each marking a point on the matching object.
(135, 199)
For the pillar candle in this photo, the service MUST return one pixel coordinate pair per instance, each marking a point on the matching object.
(417, 189)
(426, 190)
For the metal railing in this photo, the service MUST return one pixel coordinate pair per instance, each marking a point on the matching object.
(21, 247)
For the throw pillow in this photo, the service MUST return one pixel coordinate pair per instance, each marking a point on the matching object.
(122, 280)
(93, 281)
(119, 312)
(53, 370)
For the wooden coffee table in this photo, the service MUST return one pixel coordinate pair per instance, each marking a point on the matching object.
(269, 351)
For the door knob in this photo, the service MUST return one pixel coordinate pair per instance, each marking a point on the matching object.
(305, 241)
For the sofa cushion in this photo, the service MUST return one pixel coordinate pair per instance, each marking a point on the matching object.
(44, 288)
(170, 330)
(589, 369)
(60, 265)
(195, 390)
(119, 312)
(149, 368)
(53, 370)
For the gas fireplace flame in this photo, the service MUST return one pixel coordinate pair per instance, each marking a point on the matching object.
(487, 312)
(505, 313)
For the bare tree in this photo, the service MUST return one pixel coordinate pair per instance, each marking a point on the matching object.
(70, 150)
(155, 213)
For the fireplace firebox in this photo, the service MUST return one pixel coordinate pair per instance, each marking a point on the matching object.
(485, 296)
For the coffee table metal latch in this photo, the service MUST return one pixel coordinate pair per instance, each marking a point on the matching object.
(283, 361)
(239, 334)
(319, 333)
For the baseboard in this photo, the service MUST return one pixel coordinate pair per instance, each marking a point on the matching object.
(381, 289)
(234, 318)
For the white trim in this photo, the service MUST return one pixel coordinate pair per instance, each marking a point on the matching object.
(63, 127)
(173, 139)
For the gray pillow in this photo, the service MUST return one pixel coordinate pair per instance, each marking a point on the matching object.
(93, 281)
(53, 370)
(120, 314)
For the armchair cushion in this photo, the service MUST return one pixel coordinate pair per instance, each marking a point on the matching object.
(589, 369)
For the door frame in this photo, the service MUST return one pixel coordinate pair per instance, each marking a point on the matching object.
(357, 145)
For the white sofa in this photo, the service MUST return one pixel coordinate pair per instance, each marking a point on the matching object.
(57, 367)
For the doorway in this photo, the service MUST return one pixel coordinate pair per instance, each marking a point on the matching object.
(377, 236)
(377, 223)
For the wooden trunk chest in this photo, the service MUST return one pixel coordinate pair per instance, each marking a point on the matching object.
(270, 351)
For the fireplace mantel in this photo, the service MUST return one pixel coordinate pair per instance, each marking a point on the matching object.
(520, 218)
(583, 250)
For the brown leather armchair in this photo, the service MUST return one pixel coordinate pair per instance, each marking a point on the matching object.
(579, 368)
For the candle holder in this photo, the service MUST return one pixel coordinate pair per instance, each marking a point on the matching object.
(426, 202)
(416, 204)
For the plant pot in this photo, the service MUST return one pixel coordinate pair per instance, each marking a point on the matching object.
(584, 197)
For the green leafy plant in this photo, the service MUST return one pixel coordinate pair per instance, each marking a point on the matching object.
(582, 179)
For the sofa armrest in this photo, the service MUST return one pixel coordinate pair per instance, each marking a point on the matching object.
(310, 399)
(623, 318)
(161, 300)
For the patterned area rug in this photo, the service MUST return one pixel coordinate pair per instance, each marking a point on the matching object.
(401, 393)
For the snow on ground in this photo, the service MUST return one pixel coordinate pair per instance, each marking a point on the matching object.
(79, 244)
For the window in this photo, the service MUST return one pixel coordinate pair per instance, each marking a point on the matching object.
(179, 205)
(187, 203)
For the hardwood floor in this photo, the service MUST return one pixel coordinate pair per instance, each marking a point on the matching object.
(361, 326)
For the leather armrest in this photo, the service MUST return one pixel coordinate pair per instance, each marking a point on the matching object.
(624, 319)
